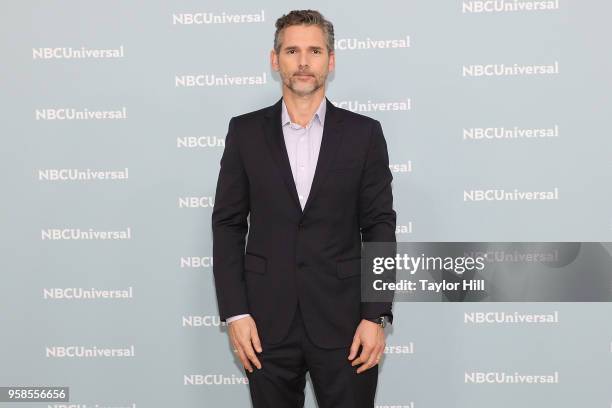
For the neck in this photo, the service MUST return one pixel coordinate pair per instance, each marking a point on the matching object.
(302, 108)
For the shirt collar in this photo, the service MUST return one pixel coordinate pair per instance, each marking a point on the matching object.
(320, 113)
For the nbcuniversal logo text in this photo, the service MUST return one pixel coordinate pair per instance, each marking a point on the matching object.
(191, 142)
(77, 234)
(509, 133)
(196, 262)
(495, 377)
(202, 321)
(400, 348)
(515, 318)
(196, 202)
(88, 352)
(403, 228)
(369, 106)
(211, 80)
(214, 379)
(516, 256)
(401, 167)
(368, 43)
(484, 70)
(76, 53)
(89, 293)
(509, 195)
(217, 18)
(500, 6)
(79, 114)
(81, 175)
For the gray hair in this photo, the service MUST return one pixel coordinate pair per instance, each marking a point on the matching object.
(304, 17)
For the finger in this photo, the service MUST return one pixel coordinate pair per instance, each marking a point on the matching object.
(245, 361)
(364, 356)
(354, 348)
(380, 354)
(247, 347)
(371, 362)
(235, 347)
(255, 340)
(234, 336)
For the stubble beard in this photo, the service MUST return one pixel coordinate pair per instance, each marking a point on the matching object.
(301, 88)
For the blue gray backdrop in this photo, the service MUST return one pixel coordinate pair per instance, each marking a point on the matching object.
(113, 119)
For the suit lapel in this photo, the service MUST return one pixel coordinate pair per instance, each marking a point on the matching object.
(330, 142)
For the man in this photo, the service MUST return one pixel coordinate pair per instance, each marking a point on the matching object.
(314, 181)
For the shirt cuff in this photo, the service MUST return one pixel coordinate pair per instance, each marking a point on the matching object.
(240, 316)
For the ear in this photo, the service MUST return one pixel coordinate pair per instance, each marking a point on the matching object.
(332, 61)
(274, 60)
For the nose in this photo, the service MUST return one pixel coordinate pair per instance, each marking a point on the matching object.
(303, 61)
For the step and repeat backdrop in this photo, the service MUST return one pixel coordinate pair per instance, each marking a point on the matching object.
(113, 120)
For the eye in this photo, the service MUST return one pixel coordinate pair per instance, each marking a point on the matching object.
(290, 51)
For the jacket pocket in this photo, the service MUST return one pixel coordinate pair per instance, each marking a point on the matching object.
(348, 268)
(254, 263)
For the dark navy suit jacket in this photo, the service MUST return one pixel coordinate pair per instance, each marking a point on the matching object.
(311, 256)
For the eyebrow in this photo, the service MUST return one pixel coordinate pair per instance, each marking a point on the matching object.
(312, 47)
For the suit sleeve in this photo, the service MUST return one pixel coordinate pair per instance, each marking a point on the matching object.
(229, 228)
(377, 219)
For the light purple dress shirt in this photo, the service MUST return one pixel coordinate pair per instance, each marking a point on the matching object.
(303, 145)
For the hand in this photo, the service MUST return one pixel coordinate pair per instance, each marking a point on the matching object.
(243, 336)
(372, 338)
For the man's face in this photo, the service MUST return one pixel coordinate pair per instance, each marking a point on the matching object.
(303, 61)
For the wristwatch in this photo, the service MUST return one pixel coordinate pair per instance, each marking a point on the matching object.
(381, 320)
